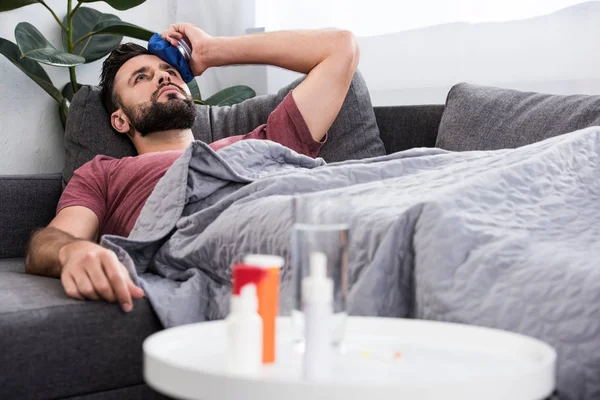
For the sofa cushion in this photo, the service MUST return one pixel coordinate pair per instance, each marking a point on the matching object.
(55, 347)
(12, 265)
(27, 202)
(489, 118)
(353, 135)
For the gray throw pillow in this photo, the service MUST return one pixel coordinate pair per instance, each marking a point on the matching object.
(353, 135)
(489, 118)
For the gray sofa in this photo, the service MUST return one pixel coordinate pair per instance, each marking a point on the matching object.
(55, 347)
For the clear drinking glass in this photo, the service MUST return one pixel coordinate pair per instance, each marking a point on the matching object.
(321, 226)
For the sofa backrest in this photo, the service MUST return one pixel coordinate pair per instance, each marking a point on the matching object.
(405, 127)
(28, 202)
(488, 118)
(354, 133)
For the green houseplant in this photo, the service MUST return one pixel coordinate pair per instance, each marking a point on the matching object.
(88, 35)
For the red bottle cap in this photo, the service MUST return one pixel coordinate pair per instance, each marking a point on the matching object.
(245, 274)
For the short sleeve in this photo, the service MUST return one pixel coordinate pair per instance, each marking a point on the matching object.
(88, 187)
(286, 126)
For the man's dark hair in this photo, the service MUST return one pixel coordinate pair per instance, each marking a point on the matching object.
(111, 65)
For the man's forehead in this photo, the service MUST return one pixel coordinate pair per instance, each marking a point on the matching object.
(135, 63)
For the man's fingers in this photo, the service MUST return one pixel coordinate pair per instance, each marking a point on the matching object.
(171, 37)
(101, 284)
(176, 31)
(70, 287)
(82, 280)
(181, 27)
(183, 30)
(136, 291)
(114, 272)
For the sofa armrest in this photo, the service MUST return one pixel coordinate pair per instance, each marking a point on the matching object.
(405, 127)
(27, 202)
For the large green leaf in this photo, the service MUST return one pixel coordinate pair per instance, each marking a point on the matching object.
(119, 4)
(194, 89)
(122, 28)
(67, 90)
(63, 111)
(34, 46)
(31, 68)
(231, 96)
(97, 46)
(64, 107)
(7, 5)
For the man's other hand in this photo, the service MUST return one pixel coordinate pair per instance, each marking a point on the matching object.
(90, 271)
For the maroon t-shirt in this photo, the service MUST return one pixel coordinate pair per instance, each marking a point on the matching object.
(117, 189)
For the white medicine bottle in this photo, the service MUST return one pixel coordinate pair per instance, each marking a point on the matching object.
(244, 333)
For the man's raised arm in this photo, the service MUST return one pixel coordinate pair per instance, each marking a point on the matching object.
(329, 57)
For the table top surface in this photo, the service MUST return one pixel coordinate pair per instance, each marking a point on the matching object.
(383, 357)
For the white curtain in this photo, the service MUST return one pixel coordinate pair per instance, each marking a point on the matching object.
(412, 52)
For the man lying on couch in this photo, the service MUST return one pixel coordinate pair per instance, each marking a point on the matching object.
(150, 103)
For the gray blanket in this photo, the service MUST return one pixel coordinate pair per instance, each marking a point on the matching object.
(507, 239)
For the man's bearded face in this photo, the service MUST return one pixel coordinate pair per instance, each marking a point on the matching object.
(153, 96)
(154, 116)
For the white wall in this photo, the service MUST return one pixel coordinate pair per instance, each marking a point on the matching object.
(414, 52)
(556, 53)
(31, 134)
(380, 17)
(224, 18)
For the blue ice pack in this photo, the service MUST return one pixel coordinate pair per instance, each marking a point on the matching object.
(170, 54)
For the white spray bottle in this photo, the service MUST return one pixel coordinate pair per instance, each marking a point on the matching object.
(317, 298)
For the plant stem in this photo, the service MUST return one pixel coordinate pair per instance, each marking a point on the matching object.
(64, 28)
(70, 43)
(73, 79)
(79, 3)
(83, 48)
(84, 37)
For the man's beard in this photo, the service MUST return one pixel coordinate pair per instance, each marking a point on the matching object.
(154, 116)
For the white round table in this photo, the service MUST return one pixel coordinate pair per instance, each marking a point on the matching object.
(384, 358)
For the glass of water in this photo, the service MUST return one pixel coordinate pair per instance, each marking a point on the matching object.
(321, 225)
